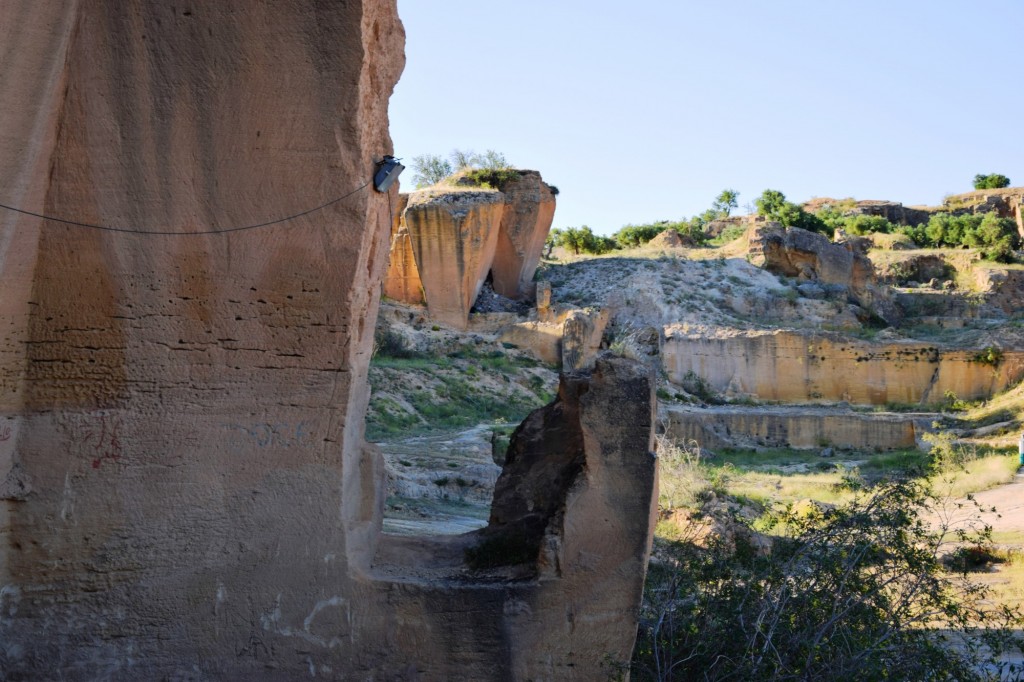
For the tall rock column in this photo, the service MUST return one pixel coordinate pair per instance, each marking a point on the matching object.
(525, 223)
(453, 235)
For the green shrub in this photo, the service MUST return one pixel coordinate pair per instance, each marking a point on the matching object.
(991, 181)
(857, 591)
(772, 205)
(995, 237)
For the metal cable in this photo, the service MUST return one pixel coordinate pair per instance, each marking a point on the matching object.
(109, 228)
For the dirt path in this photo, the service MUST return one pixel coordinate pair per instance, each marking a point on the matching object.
(1007, 520)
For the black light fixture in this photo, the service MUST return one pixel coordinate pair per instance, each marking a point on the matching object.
(388, 170)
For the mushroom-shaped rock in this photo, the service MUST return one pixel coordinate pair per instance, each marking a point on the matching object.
(453, 235)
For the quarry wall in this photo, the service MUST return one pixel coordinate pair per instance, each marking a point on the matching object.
(185, 489)
(796, 366)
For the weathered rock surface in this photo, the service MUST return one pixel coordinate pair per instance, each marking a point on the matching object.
(794, 427)
(581, 337)
(525, 223)
(1002, 288)
(402, 280)
(794, 252)
(453, 236)
(186, 491)
(800, 366)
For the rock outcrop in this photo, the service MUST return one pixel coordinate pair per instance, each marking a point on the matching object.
(450, 240)
(186, 492)
(453, 236)
(794, 252)
(797, 366)
(525, 223)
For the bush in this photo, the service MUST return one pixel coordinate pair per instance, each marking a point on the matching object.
(772, 205)
(582, 240)
(632, 236)
(995, 237)
(853, 592)
(991, 181)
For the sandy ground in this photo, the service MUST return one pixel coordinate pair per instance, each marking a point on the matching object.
(1008, 501)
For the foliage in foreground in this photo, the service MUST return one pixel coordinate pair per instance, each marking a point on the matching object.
(855, 591)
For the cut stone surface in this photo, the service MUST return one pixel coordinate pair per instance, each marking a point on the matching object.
(525, 223)
(185, 488)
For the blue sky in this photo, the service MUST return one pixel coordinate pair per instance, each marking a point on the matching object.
(646, 110)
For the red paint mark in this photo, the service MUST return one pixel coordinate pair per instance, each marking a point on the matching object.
(5, 434)
(103, 439)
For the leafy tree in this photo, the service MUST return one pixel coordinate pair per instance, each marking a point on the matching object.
(583, 240)
(991, 181)
(632, 236)
(463, 159)
(429, 169)
(493, 161)
(725, 203)
(772, 204)
(853, 592)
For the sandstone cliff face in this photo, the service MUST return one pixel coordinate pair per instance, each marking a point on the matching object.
(185, 488)
(798, 367)
(525, 223)
(453, 237)
(402, 280)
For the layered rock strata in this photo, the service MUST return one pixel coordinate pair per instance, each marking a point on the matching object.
(186, 494)
(792, 427)
(796, 366)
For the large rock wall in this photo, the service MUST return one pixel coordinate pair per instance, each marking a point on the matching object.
(797, 367)
(183, 413)
(184, 488)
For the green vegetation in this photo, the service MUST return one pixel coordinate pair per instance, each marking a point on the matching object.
(442, 393)
(995, 237)
(852, 592)
(489, 169)
(726, 202)
(772, 205)
(429, 169)
(991, 181)
(580, 240)
(854, 586)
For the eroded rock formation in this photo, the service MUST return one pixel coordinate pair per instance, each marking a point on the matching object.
(453, 237)
(794, 252)
(186, 494)
(449, 240)
(792, 427)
